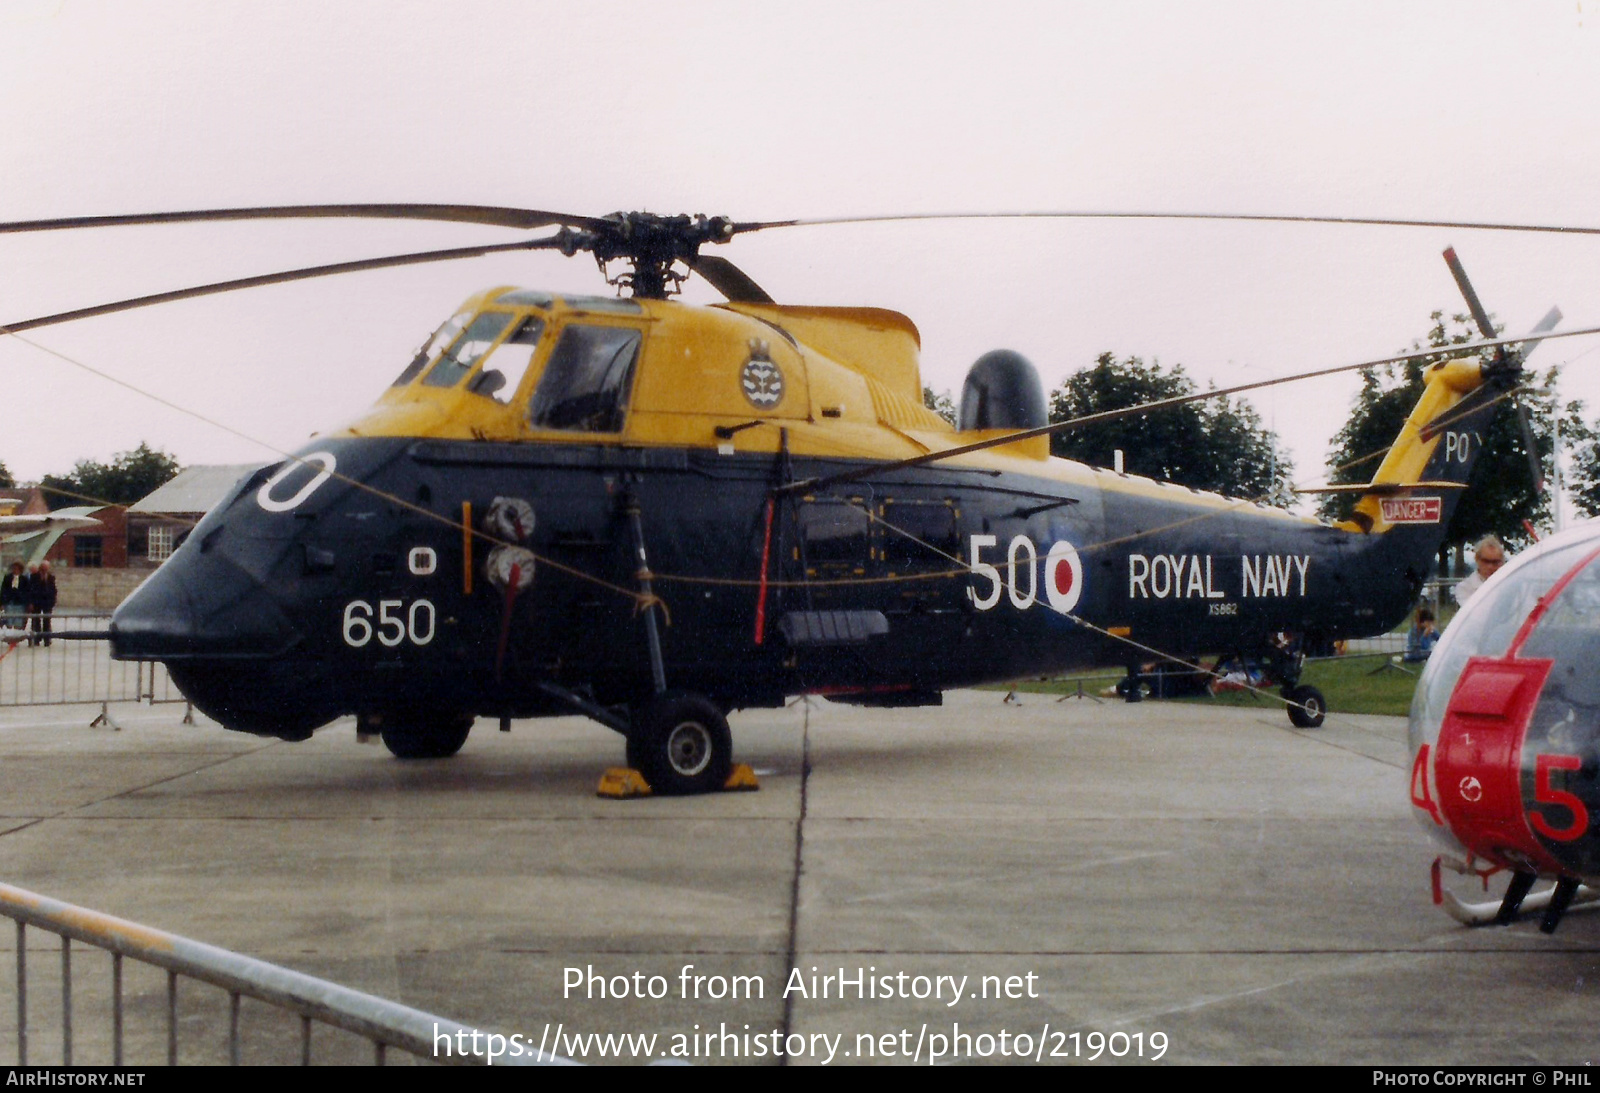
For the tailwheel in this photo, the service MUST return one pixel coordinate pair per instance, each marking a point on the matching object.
(424, 734)
(681, 744)
(1307, 707)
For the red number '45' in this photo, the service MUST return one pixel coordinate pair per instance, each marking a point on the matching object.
(1545, 794)
(1419, 786)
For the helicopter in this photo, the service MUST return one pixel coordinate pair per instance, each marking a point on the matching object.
(653, 514)
(1503, 736)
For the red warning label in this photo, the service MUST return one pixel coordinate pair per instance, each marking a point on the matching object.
(1411, 510)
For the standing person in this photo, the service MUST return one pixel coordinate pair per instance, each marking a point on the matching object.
(41, 604)
(14, 597)
(1488, 556)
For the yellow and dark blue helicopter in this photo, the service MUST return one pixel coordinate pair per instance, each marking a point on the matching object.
(653, 514)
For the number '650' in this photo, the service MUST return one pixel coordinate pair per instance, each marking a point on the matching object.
(393, 625)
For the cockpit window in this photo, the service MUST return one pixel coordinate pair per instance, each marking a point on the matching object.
(431, 348)
(458, 360)
(619, 304)
(498, 372)
(526, 297)
(1486, 626)
(585, 384)
(1572, 618)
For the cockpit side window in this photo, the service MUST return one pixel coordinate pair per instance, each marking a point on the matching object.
(458, 360)
(507, 361)
(436, 343)
(586, 382)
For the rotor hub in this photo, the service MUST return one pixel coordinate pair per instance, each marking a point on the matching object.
(659, 250)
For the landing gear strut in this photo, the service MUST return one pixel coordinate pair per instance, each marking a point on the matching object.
(1307, 707)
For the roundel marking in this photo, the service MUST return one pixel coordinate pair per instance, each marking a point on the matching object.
(325, 463)
(762, 383)
(1063, 584)
(1471, 788)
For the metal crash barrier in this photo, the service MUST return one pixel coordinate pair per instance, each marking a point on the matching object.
(76, 668)
(384, 1024)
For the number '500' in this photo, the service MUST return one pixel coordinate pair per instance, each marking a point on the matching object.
(394, 623)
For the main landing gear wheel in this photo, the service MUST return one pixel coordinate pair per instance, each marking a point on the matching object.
(425, 735)
(681, 744)
(1307, 708)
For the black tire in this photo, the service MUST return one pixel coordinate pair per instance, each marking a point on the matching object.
(681, 744)
(425, 735)
(1307, 708)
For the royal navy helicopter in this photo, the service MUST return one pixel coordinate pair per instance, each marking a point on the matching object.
(653, 514)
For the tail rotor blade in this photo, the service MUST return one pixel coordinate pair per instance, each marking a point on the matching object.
(1543, 326)
(1535, 467)
(1479, 315)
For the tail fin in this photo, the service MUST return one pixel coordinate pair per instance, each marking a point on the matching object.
(1422, 478)
(1429, 465)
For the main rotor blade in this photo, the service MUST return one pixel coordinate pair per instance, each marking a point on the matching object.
(872, 470)
(1479, 314)
(493, 215)
(1111, 214)
(416, 258)
(730, 280)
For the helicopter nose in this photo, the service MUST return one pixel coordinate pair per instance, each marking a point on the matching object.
(199, 607)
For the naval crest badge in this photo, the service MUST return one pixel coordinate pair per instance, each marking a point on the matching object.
(761, 379)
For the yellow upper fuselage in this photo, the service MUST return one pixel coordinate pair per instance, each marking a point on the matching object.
(842, 382)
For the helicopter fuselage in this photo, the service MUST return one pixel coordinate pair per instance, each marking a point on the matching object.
(665, 467)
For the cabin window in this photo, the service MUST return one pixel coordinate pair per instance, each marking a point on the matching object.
(431, 348)
(834, 539)
(920, 535)
(585, 384)
(458, 360)
(509, 359)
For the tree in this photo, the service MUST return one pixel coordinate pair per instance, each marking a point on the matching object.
(1501, 494)
(1585, 481)
(6, 481)
(1217, 444)
(127, 478)
(940, 403)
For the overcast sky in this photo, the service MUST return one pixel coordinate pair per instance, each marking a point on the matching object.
(1451, 110)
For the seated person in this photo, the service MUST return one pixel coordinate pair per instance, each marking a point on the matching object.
(1421, 639)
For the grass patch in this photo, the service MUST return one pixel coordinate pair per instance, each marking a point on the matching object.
(1346, 682)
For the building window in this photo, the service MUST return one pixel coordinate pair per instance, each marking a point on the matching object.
(158, 547)
(86, 551)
